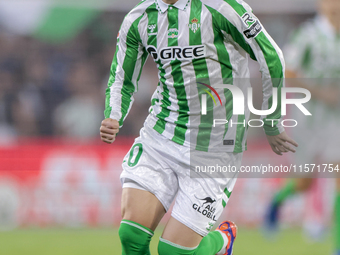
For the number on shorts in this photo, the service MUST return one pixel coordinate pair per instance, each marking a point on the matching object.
(131, 157)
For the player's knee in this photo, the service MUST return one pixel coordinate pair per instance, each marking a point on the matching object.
(135, 239)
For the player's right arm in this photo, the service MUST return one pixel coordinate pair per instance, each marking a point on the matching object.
(247, 31)
(299, 61)
(126, 68)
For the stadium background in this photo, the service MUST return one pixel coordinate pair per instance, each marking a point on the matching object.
(59, 185)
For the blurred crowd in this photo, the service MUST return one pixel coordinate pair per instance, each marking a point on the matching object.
(59, 89)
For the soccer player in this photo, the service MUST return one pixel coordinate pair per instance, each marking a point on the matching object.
(314, 53)
(192, 42)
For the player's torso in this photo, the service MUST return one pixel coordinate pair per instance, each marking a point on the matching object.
(188, 43)
(321, 67)
(189, 47)
(324, 52)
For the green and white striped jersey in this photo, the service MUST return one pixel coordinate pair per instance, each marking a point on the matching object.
(314, 52)
(194, 41)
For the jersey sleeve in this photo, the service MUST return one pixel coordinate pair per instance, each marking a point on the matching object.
(126, 68)
(249, 33)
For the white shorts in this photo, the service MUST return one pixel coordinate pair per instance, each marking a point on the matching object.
(162, 167)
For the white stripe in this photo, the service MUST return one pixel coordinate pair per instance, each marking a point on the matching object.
(215, 76)
(230, 14)
(238, 58)
(136, 226)
(177, 245)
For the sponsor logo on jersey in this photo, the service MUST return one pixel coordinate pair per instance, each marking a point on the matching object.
(248, 19)
(253, 25)
(173, 33)
(151, 29)
(194, 25)
(179, 53)
(254, 30)
(204, 207)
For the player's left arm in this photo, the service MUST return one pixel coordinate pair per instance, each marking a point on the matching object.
(255, 40)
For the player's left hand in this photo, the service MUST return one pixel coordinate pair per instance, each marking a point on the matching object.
(280, 143)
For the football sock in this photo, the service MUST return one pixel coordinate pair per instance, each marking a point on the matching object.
(337, 221)
(285, 192)
(135, 238)
(210, 245)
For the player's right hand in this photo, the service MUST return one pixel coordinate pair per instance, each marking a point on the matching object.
(280, 143)
(108, 130)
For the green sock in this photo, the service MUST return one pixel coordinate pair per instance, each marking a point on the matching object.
(337, 221)
(135, 238)
(210, 245)
(285, 192)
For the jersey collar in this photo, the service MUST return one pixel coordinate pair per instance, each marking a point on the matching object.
(180, 4)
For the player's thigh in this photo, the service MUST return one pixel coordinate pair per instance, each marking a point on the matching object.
(149, 184)
(178, 233)
(200, 201)
(142, 207)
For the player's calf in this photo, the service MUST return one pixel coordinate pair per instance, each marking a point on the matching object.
(135, 238)
(218, 242)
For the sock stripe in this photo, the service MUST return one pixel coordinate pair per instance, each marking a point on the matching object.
(137, 226)
(225, 242)
(177, 245)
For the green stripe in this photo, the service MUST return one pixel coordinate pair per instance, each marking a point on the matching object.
(230, 29)
(177, 74)
(224, 203)
(276, 73)
(131, 56)
(165, 112)
(227, 192)
(226, 69)
(274, 66)
(201, 70)
(240, 131)
(152, 14)
(112, 80)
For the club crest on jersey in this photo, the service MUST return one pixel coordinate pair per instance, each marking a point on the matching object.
(173, 33)
(194, 25)
(151, 29)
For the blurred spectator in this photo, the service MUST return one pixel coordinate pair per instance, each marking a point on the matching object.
(80, 115)
(59, 89)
